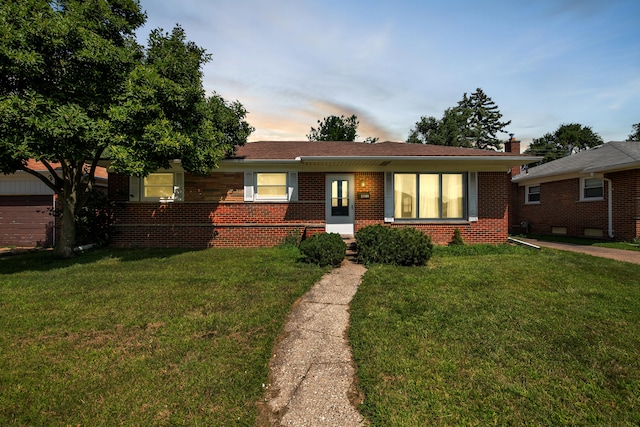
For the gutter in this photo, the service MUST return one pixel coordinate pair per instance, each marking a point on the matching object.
(506, 159)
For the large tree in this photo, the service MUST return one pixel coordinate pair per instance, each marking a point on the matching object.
(635, 133)
(334, 128)
(450, 130)
(568, 139)
(484, 122)
(474, 122)
(76, 86)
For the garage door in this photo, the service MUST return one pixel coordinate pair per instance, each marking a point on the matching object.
(25, 221)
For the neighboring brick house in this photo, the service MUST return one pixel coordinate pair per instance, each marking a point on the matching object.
(269, 190)
(26, 206)
(593, 193)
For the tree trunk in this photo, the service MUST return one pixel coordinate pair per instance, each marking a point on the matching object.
(64, 246)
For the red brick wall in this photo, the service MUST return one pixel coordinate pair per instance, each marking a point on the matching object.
(492, 225)
(213, 213)
(560, 206)
(492, 198)
(626, 204)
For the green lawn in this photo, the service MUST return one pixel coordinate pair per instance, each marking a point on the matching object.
(146, 337)
(499, 336)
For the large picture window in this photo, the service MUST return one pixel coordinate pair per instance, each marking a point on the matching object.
(429, 196)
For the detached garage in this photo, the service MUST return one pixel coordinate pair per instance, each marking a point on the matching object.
(25, 211)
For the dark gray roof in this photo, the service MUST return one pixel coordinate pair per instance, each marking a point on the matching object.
(610, 157)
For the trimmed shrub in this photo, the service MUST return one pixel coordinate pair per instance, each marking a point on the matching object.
(457, 238)
(405, 246)
(373, 244)
(324, 249)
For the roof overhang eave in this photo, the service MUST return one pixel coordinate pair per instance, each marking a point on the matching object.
(506, 159)
(616, 168)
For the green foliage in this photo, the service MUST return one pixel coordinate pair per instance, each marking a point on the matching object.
(447, 131)
(324, 249)
(334, 128)
(635, 134)
(457, 238)
(405, 246)
(484, 120)
(75, 87)
(474, 122)
(94, 221)
(565, 141)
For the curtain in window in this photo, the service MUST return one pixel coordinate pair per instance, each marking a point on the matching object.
(158, 185)
(405, 199)
(429, 196)
(271, 184)
(452, 196)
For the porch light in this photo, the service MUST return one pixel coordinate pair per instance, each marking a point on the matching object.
(362, 183)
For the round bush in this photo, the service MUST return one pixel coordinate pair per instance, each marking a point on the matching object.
(324, 249)
(378, 244)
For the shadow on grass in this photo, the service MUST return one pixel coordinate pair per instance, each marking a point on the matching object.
(46, 260)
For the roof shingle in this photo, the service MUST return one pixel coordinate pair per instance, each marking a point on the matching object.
(290, 150)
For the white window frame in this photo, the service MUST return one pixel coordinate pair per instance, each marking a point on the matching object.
(251, 186)
(583, 187)
(527, 193)
(136, 189)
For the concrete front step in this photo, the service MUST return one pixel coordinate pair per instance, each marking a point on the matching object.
(352, 249)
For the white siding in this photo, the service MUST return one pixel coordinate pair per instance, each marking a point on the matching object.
(22, 185)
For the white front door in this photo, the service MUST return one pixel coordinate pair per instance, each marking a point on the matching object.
(340, 201)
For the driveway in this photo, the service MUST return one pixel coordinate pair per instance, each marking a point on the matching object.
(618, 254)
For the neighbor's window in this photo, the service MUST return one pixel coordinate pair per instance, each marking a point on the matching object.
(158, 186)
(271, 185)
(428, 196)
(532, 194)
(592, 189)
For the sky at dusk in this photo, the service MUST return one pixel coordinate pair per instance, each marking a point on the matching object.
(294, 62)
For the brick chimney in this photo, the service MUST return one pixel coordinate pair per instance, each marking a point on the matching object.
(513, 146)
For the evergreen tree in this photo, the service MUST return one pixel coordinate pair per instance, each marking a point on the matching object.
(635, 135)
(484, 122)
(474, 122)
(449, 130)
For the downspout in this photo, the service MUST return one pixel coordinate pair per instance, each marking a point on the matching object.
(609, 207)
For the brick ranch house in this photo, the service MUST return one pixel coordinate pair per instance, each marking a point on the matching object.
(593, 193)
(272, 189)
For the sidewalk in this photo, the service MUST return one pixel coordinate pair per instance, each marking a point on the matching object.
(312, 372)
(617, 254)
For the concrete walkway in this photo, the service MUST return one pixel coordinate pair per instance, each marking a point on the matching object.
(617, 254)
(312, 372)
